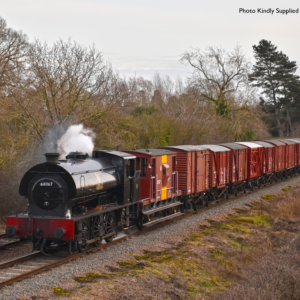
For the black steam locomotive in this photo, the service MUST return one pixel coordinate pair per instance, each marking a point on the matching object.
(78, 201)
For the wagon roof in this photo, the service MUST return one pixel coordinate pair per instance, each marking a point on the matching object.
(152, 151)
(215, 148)
(233, 146)
(265, 144)
(187, 148)
(275, 142)
(288, 142)
(250, 144)
(297, 141)
(114, 152)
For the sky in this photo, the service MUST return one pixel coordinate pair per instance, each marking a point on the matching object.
(142, 37)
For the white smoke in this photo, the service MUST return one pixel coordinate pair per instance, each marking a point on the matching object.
(76, 138)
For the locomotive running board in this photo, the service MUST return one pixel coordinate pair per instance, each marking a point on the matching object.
(154, 210)
(163, 219)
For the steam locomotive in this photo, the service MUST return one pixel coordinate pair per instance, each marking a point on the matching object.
(77, 200)
(84, 200)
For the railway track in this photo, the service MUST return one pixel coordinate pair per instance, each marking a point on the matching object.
(26, 266)
(3, 246)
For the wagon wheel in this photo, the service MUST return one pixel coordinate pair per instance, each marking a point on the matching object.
(244, 188)
(110, 226)
(85, 236)
(206, 200)
(235, 191)
(181, 208)
(227, 194)
(258, 183)
(95, 231)
(200, 201)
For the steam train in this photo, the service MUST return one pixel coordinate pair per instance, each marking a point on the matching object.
(80, 200)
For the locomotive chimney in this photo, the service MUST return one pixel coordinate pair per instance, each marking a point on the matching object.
(52, 158)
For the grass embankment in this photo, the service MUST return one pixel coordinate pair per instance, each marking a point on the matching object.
(252, 254)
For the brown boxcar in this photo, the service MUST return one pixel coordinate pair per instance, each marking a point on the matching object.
(268, 165)
(279, 157)
(254, 160)
(297, 151)
(218, 166)
(157, 177)
(237, 165)
(290, 150)
(192, 165)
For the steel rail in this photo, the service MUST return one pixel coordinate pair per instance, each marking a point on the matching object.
(11, 244)
(20, 259)
(114, 242)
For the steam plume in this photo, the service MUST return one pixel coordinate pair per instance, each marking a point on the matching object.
(76, 138)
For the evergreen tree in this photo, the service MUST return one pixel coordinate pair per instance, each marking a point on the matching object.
(274, 74)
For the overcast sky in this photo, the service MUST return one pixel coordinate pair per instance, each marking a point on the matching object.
(143, 37)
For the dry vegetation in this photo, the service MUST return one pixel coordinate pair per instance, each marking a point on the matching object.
(252, 253)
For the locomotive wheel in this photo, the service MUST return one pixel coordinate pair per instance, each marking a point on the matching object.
(85, 236)
(95, 230)
(110, 226)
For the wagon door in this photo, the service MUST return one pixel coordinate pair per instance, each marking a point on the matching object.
(189, 173)
(254, 162)
(193, 173)
(200, 171)
(222, 168)
(240, 168)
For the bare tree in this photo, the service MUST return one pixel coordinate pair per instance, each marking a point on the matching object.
(13, 51)
(218, 74)
(62, 80)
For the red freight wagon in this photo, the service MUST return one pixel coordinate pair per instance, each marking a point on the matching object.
(254, 161)
(237, 165)
(157, 176)
(289, 154)
(218, 169)
(268, 165)
(158, 186)
(279, 155)
(192, 165)
(297, 152)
